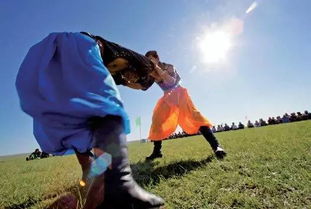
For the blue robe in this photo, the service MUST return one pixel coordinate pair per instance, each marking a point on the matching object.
(62, 83)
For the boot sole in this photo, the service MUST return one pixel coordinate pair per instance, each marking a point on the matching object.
(130, 207)
(150, 159)
(114, 205)
(220, 154)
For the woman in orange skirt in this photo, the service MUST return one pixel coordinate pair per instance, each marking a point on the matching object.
(174, 108)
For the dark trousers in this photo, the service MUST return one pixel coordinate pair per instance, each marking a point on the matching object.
(206, 132)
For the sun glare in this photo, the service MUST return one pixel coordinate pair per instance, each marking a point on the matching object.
(214, 46)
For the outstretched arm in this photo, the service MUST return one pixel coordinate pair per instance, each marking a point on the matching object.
(162, 75)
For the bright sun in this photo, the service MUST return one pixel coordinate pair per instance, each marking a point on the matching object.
(214, 46)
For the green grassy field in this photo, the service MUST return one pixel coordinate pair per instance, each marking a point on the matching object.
(268, 167)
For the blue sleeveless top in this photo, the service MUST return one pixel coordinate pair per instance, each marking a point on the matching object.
(166, 86)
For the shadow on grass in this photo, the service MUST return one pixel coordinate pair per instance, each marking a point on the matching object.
(28, 203)
(75, 190)
(146, 174)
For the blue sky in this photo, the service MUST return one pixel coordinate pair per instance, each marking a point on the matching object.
(265, 73)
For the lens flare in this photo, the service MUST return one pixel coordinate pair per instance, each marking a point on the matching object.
(251, 7)
(82, 183)
(100, 165)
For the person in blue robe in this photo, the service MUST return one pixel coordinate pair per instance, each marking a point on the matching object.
(67, 84)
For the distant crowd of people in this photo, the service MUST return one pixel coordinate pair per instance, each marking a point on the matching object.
(286, 118)
(181, 134)
(37, 154)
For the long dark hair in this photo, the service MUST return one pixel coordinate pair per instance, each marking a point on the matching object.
(138, 63)
(113, 51)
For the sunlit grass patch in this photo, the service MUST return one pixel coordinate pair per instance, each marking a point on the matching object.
(268, 167)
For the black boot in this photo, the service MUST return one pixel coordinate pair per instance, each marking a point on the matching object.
(156, 153)
(211, 139)
(120, 189)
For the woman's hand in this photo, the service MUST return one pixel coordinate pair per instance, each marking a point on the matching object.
(155, 75)
(154, 60)
(162, 75)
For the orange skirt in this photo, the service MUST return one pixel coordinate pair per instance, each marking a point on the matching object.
(175, 108)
